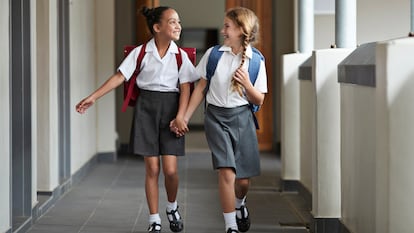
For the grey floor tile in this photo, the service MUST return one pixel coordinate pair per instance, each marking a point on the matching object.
(111, 199)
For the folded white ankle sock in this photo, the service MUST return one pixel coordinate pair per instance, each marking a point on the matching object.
(230, 220)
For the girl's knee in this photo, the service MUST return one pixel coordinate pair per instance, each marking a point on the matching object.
(170, 172)
(227, 175)
(152, 171)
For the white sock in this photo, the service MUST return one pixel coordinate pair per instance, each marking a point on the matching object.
(171, 206)
(240, 202)
(154, 218)
(230, 220)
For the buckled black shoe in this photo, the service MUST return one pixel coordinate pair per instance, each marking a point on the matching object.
(176, 222)
(154, 228)
(232, 231)
(243, 223)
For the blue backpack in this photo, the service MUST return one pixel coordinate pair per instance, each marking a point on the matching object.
(254, 67)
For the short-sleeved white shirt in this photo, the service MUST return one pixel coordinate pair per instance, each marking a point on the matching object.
(220, 91)
(159, 74)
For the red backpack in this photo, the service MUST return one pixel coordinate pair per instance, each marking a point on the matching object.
(131, 90)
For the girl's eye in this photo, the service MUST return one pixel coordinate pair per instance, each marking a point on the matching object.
(175, 22)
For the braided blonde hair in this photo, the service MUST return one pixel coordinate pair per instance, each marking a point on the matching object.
(247, 20)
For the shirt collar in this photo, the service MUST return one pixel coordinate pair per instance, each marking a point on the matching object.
(151, 47)
(249, 50)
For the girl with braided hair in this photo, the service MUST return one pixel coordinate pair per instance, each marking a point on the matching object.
(164, 95)
(228, 122)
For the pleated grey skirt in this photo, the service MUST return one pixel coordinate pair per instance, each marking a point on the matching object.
(150, 133)
(231, 136)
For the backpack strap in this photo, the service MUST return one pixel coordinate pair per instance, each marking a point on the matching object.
(254, 67)
(213, 59)
(134, 77)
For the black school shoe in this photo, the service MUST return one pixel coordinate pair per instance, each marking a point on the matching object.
(232, 231)
(154, 228)
(243, 223)
(176, 224)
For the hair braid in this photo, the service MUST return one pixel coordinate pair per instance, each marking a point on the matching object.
(235, 85)
(247, 20)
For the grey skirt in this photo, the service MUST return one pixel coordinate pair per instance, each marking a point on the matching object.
(150, 132)
(231, 136)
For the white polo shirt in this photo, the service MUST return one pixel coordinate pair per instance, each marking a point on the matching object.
(159, 74)
(220, 92)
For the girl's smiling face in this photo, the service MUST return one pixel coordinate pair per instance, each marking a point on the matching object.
(170, 25)
(232, 33)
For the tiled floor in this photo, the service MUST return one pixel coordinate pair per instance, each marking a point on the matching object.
(111, 199)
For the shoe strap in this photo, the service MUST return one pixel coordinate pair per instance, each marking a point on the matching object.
(173, 215)
(155, 226)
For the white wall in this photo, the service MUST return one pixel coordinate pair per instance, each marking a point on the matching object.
(92, 61)
(206, 14)
(82, 81)
(324, 31)
(5, 200)
(105, 67)
(379, 20)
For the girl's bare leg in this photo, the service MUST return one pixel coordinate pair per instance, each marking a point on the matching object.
(226, 189)
(169, 167)
(152, 171)
(242, 187)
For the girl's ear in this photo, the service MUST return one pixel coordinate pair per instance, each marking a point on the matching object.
(156, 27)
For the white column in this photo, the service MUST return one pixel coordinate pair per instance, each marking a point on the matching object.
(306, 25)
(290, 125)
(412, 16)
(345, 23)
(395, 133)
(46, 67)
(326, 193)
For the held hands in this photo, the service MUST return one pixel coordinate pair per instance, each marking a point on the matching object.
(179, 127)
(84, 104)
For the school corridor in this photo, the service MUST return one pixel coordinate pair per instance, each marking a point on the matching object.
(336, 123)
(111, 198)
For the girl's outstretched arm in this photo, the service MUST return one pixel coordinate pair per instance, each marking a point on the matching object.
(110, 84)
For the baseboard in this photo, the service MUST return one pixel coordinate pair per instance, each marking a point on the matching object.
(41, 208)
(24, 227)
(84, 170)
(108, 157)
